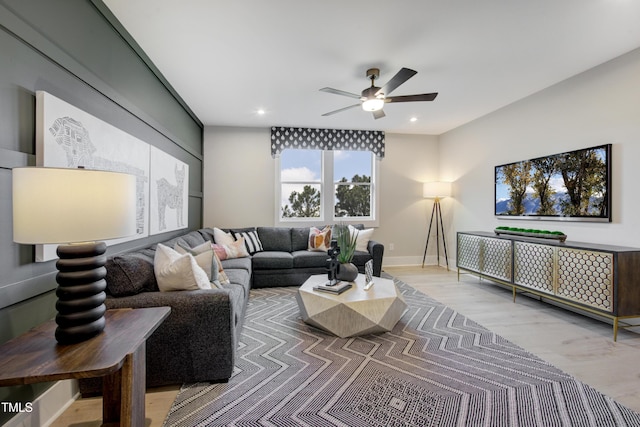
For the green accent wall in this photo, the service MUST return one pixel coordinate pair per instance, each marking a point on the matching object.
(77, 51)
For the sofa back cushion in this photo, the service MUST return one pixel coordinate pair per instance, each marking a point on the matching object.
(275, 238)
(299, 239)
(187, 240)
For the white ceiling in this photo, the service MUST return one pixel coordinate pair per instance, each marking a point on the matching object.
(230, 58)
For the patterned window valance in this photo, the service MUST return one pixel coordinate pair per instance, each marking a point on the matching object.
(326, 139)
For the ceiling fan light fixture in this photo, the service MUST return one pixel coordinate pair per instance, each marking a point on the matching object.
(373, 104)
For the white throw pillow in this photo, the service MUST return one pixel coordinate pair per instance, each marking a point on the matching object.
(178, 272)
(236, 249)
(222, 238)
(205, 257)
(362, 241)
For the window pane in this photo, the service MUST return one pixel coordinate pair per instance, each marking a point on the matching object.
(301, 166)
(300, 201)
(353, 200)
(347, 164)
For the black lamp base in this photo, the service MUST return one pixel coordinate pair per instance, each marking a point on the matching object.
(80, 291)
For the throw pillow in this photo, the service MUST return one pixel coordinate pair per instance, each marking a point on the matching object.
(129, 275)
(362, 240)
(251, 240)
(236, 249)
(319, 240)
(222, 276)
(178, 272)
(220, 251)
(205, 257)
(222, 237)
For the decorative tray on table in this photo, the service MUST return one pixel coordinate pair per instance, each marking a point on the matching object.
(527, 232)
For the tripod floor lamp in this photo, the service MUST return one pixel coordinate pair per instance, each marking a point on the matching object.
(436, 191)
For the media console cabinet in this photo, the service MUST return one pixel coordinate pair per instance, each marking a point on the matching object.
(600, 279)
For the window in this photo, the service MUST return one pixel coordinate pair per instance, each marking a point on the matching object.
(352, 172)
(300, 184)
(317, 186)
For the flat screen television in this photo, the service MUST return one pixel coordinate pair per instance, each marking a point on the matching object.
(571, 186)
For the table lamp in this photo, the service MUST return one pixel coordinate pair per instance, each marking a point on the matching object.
(436, 190)
(75, 208)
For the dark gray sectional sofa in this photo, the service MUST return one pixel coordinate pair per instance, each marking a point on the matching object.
(198, 341)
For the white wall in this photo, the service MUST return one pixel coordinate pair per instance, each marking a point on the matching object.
(239, 177)
(410, 160)
(599, 106)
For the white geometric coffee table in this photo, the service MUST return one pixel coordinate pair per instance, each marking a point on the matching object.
(353, 312)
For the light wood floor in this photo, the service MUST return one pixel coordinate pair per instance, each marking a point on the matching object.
(579, 345)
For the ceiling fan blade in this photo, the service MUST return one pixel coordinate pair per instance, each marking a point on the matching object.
(412, 98)
(378, 114)
(401, 76)
(341, 109)
(339, 92)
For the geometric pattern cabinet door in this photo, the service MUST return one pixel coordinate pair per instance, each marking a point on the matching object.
(496, 258)
(468, 254)
(534, 266)
(586, 277)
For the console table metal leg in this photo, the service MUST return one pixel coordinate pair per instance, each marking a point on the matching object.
(615, 329)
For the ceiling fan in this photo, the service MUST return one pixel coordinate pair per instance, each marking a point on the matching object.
(373, 98)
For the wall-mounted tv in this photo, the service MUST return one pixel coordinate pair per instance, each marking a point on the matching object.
(573, 186)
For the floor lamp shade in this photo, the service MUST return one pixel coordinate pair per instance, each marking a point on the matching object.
(75, 208)
(436, 190)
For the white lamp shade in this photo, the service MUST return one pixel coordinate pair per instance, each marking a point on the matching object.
(437, 189)
(55, 205)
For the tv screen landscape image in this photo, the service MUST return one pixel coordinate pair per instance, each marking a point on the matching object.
(574, 186)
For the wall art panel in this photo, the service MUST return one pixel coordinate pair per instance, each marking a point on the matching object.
(68, 137)
(169, 193)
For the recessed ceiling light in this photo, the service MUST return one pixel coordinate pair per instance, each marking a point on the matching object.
(261, 112)
(413, 119)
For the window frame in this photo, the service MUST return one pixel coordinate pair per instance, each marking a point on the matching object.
(327, 203)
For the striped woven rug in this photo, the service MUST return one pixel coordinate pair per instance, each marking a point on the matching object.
(436, 368)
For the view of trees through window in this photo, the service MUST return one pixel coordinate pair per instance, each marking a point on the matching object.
(304, 175)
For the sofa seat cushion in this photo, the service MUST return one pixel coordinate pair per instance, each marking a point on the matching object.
(306, 259)
(270, 260)
(237, 263)
(239, 276)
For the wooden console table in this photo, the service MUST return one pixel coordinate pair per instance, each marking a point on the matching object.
(598, 279)
(117, 354)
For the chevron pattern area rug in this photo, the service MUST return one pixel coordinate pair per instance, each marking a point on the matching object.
(436, 368)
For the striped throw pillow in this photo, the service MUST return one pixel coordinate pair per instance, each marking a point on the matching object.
(251, 240)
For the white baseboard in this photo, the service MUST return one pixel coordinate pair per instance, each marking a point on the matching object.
(412, 261)
(48, 406)
(401, 261)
